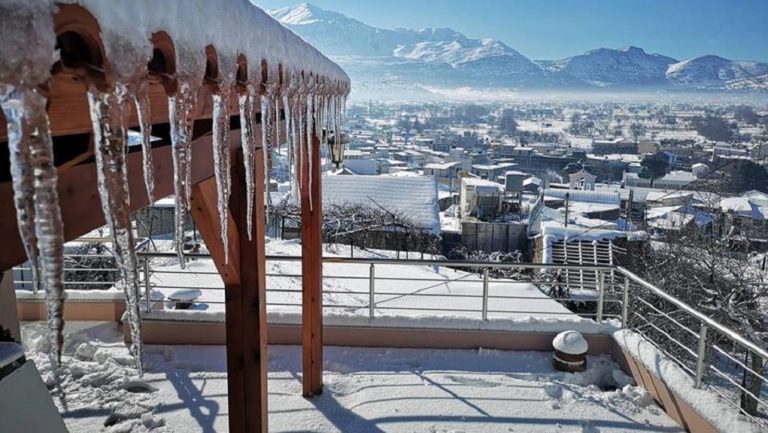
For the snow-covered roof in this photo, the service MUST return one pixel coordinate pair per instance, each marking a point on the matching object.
(577, 195)
(482, 183)
(745, 207)
(413, 196)
(232, 27)
(441, 166)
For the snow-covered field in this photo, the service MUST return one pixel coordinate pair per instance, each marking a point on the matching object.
(366, 390)
(401, 290)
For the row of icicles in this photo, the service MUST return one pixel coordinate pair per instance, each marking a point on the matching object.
(309, 109)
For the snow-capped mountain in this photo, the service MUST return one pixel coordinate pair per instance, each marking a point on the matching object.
(608, 67)
(713, 71)
(415, 60)
(336, 34)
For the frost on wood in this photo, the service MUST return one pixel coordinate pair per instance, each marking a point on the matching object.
(182, 110)
(34, 176)
(109, 111)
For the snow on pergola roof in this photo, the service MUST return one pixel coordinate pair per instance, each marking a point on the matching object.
(232, 27)
(413, 197)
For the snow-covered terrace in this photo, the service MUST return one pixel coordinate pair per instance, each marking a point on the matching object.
(367, 390)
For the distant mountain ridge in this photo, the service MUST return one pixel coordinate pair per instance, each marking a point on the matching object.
(446, 57)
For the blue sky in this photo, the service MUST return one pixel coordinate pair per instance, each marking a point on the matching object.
(549, 29)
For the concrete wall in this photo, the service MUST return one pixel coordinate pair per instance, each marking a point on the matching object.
(213, 333)
(491, 237)
(110, 311)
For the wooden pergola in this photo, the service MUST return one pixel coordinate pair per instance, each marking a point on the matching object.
(244, 273)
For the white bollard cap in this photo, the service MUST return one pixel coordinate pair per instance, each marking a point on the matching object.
(570, 342)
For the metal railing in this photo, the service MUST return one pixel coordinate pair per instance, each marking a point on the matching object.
(715, 356)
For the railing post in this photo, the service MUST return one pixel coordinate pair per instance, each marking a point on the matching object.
(625, 303)
(147, 287)
(600, 295)
(371, 290)
(701, 355)
(485, 294)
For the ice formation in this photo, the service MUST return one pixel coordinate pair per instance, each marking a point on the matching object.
(181, 107)
(311, 103)
(221, 159)
(141, 99)
(109, 111)
(34, 173)
(248, 139)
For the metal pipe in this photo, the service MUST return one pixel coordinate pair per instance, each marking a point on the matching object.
(701, 355)
(485, 294)
(371, 291)
(600, 296)
(147, 288)
(625, 304)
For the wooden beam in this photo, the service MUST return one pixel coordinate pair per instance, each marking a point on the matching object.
(312, 273)
(204, 210)
(246, 314)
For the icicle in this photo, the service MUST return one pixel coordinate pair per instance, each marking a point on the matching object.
(311, 135)
(29, 139)
(266, 137)
(276, 126)
(109, 111)
(337, 119)
(22, 172)
(296, 121)
(221, 161)
(141, 99)
(302, 141)
(182, 109)
(289, 141)
(245, 102)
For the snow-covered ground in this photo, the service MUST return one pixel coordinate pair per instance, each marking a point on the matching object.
(366, 390)
(410, 289)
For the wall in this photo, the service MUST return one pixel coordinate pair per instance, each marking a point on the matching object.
(491, 237)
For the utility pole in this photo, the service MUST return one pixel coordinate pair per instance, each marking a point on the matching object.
(629, 206)
(567, 206)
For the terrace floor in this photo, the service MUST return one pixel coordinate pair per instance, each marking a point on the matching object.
(366, 390)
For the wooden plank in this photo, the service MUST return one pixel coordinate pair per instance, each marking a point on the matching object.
(234, 314)
(312, 274)
(246, 314)
(254, 281)
(205, 213)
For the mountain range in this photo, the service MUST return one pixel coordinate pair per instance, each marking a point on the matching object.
(443, 57)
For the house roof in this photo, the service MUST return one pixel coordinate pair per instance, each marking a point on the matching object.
(412, 196)
(577, 195)
(441, 166)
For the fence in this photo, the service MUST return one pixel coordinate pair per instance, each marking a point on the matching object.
(713, 355)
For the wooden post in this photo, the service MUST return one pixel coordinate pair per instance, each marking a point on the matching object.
(245, 283)
(312, 272)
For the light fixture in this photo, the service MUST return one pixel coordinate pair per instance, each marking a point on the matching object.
(337, 149)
